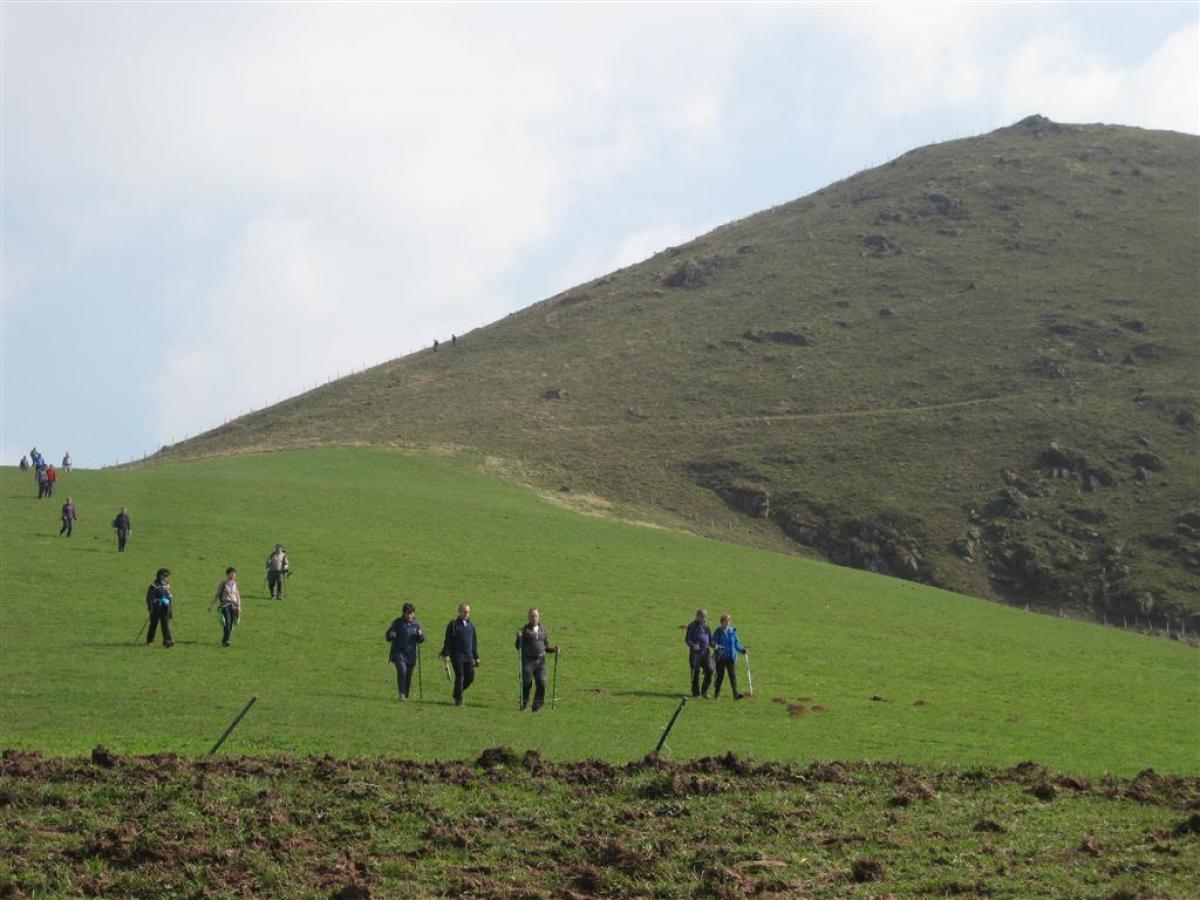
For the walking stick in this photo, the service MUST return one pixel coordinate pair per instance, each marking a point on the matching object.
(749, 676)
(671, 724)
(520, 681)
(554, 692)
(142, 629)
(420, 680)
(446, 662)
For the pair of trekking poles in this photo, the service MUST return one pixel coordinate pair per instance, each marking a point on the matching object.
(521, 680)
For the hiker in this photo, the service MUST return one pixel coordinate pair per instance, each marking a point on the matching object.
(435, 345)
(51, 478)
(725, 641)
(453, 340)
(35, 458)
(24, 463)
(66, 464)
(230, 598)
(68, 518)
(121, 524)
(534, 644)
(277, 571)
(158, 605)
(42, 483)
(699, 641)
(405, 634)
(461, 650)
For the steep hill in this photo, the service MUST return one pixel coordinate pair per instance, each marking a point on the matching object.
(974, 366)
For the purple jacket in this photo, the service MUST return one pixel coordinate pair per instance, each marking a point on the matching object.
(68, 512)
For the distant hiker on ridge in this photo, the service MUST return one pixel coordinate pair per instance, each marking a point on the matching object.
(66, 464)
(68, 518)
(158, 605)
(121, 524)
(461, 650)
(230, 599)
(24, 463)
(435, 345)
(277, 571)
(405, 634)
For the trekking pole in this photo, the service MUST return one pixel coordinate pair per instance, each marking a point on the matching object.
(554, 691)
(446, 663)
(671, 724)
(142, 629)
(520, 680)
(232, 725)
(749, 676)
(420, 680)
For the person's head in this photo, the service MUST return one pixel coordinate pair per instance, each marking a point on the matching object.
(702, 615)
(535, 616)
(725, 620)
(124, 509)
(162, 575)
(231, 572)
(278, 548)
(69, 500)
(464, 611)
(409, 611)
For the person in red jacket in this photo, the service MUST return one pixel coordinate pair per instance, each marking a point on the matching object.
(51, 477)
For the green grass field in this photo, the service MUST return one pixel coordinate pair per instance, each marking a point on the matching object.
(964, 682)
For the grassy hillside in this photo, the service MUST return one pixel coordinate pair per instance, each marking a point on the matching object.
(974, 366)
(847, 665)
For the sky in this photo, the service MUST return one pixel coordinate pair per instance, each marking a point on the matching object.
(209, 207)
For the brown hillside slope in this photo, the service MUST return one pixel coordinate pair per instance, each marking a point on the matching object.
(974, 366)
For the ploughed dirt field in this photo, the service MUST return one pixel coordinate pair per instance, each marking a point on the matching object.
(517, 826)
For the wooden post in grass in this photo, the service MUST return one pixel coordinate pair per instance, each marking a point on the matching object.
(232, 725)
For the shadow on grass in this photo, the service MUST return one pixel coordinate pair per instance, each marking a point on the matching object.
(672, 695)
(131, 645)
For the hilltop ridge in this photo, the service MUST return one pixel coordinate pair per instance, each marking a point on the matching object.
(973, 366)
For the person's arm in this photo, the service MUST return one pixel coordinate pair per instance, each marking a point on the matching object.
(475, 645)
(445, 654)
(391, 632)
(689, 637)
(518, 644)
(420, 632)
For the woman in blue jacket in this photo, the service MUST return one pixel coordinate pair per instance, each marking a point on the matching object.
(405, 634)
(725, 641)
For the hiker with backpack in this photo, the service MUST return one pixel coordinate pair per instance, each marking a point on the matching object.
(405, 635)
(533, 643)
(725, 641)
(123, 528)
(43, 483)
(159, 607)
(24, 463)
(68, 518)
(699, 641)
(51, 479)
(460, 649)
(229, 596)
(277, 571)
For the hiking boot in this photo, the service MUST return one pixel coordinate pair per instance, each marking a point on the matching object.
(738, 696)
(224, 643)
(404, 698)
(458, 702)
(168, 644)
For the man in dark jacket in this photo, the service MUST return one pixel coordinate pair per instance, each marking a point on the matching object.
(461, 650)
(277, 571)
(405, 634)
(121, 524)
(534, 644)
(158, 605)
(699, 641)
(68, 518)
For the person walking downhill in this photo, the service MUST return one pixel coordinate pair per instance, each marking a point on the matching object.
(277, 570)
(534, 644)
(461, 650)
(24, 463)
(43, 482)
(725, 640)
(123, 528)
(66, 463)
(51, 479)
(230, 599)
(405, 634)
(699, 641)
(68, 518)
(159, 607)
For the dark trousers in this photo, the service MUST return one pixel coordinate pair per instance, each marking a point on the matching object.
(404, 673)
(122, 537)
(68, 527)
(533, 671)
(464, 674)
(725, 664)
(228, 616)
(275, 584)
(42, 489)
(160, 615)
(701, 663)
(49, 488)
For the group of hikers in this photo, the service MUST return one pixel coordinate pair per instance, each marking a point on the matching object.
(120, 523)
(227, 598)
(460, 654)
(44, 473)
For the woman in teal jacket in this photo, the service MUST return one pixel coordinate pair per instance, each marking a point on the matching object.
(725, 640)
